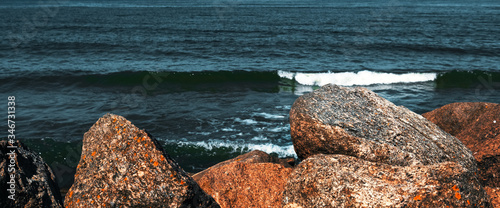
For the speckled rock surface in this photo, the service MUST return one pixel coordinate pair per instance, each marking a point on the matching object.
(494, 194)
(358, 122)
(35, 183)
(364, 151)
(124, 166)
(345, 181)
(255, 156)
(477, 125)
(255, 179)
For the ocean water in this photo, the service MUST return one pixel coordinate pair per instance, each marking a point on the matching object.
(215, 79)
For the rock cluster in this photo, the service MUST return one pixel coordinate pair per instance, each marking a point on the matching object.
(255, 179)
(34, 183)
(362, 150)
(357, 150)
(477, 125)
(122, 165)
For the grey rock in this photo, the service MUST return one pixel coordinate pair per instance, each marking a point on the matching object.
(360, 123)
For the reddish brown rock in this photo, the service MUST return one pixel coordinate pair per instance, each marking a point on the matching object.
(359, 123)
(34, 183)
(255, 179)
(124, 166)
(477, 125)
(494, 194)
(255, 156)
(345, 181)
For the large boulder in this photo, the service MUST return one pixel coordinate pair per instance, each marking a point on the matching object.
(124, 166)
(255, 179)
(346, 181)
(361, 150)
(477, 125)
(33, 183)
(360, 123)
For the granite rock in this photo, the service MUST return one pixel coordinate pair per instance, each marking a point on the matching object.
(361, 150)
(360, 123)
(122, 165)
(346, 181)
(255, 179)
(255, 156)
(494, 194)
(34, 182)
(477, 125)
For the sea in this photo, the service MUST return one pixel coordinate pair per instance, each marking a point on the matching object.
(213, 79)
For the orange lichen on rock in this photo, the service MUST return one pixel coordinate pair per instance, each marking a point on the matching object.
(107, 182)
(417, 198)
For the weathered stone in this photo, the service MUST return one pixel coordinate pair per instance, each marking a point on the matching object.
(381, 155)
(255, 156)
(34, 182)
(359, 123)
(494, 194)
(346, 181)
(255, 179)
(477, 125)
(124, 166)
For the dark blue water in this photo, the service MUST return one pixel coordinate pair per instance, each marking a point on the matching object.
(213, 79)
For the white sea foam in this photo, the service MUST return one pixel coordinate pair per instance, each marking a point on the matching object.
(282, 151)
(246, 121)
(269, 116)
(260, 138)
(228, 129)
(356, 78)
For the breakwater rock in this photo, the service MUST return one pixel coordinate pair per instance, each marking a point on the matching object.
(360, 148)
(254, 179)
(477, 125)
(122, 165)
(33, 183)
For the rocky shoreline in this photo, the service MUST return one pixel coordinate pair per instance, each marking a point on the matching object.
(355, 148)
